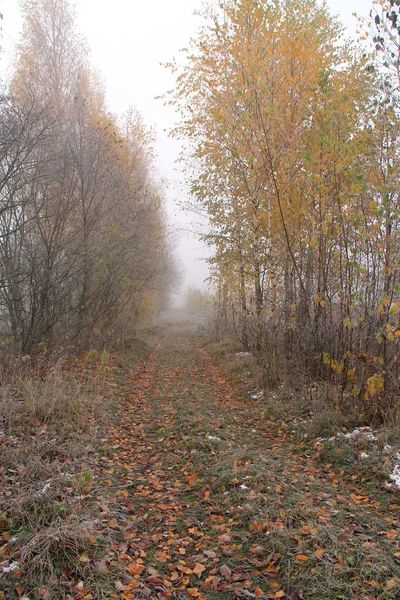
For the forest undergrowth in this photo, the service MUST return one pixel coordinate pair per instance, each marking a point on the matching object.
(192, 485)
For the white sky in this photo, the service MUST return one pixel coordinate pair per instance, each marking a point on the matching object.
(128, 40)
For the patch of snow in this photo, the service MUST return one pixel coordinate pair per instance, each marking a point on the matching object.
(395, 477)
(358, 433)
(298, 421)
(243, 354)
(46, 487)
(213, 437)
(243, 487)
(364, 455)
(387, 449)
(257, 395)
(12, 567)
(366, 432)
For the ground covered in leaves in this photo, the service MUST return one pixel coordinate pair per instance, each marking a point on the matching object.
(199, 493)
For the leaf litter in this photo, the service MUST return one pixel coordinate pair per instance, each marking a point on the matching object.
(257, 516)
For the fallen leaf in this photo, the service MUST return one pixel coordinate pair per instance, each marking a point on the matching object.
(256, 526)
(392, 534)
(101, 566)
(119, 586)
(84, 558)
(225, 572)
(199, 569)
(135, 569)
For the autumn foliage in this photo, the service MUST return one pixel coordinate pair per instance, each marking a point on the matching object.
(84, 250)
(293, 139)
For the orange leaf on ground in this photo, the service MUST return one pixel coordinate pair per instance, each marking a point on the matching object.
(302, 557)
(256, 526)
(192, 478)
(135, 569)
(199, 569)
(392, 534)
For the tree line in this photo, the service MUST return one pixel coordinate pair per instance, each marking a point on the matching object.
(292, 151)
(84, 247)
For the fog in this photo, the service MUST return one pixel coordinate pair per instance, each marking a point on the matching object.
(129, 40)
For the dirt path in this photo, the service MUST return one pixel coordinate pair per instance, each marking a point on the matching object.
(212, 500)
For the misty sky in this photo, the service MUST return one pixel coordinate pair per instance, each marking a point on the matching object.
(128, 40)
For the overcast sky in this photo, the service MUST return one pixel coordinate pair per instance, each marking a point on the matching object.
(129, 39)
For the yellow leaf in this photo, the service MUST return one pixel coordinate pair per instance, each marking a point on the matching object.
(84, 558)
(302, 557)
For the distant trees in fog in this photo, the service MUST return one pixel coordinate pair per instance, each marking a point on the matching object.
(84, 249)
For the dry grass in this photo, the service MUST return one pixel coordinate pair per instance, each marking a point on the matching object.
(50, 423)
(242, 369)
(308, 410)
(61, 543)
